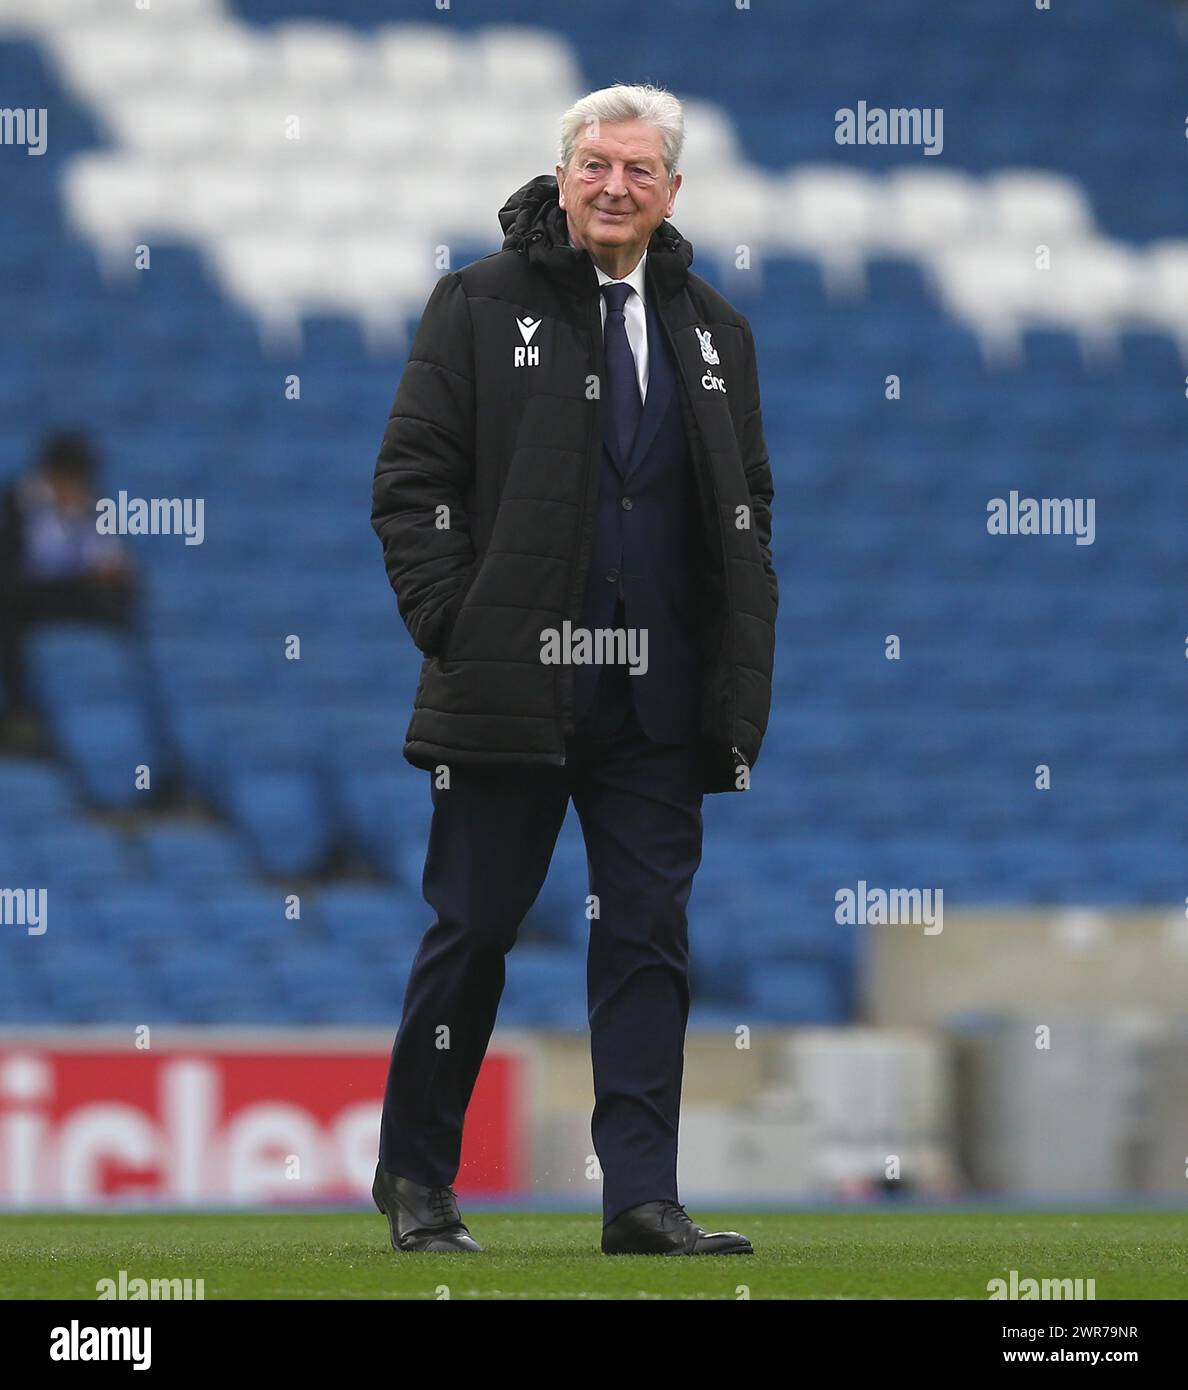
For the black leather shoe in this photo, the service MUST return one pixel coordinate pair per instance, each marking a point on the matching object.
(421, 1218)
(664, 1228)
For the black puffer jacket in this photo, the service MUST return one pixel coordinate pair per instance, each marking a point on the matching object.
(486, 484)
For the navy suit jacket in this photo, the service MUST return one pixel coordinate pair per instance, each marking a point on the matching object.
(648, 550)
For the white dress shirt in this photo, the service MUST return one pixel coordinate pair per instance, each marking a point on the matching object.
(636, 319)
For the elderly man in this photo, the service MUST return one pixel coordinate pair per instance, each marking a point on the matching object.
(573, 495)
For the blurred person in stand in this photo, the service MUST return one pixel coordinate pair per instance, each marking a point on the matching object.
(54, 564)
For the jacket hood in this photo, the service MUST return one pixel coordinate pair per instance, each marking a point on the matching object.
(534, 223)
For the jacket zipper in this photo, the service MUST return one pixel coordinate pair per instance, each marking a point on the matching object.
(708, 472)
(577, 584)
(740, 761)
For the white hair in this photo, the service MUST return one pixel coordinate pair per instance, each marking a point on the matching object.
(627, 103)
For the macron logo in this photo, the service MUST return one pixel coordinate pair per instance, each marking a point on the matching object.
(527, 328)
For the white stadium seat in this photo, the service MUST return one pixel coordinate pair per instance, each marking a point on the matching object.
(109, 61)
(225, 199)
(380, 276)
(327, 199)
(1091, 287)
(988, 286)
(1161, 299)
(121, 202)
(710, 141)
(405, 142)
(280, 276)
(21, 16)
(215, 60)
(423, 62)
(525, 66)
(729, 207)
(928, 209)
(830, 212)
(383, 132)
(474, 135)
(317, 58)
(1035, 206)
(166, 130)
(254, 128)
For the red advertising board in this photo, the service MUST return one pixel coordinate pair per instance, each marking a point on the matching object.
(211, 1122)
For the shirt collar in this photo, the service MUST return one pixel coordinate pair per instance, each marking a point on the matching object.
(635, 279)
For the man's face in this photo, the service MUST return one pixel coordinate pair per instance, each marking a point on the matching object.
(615, 191)
(71, 493)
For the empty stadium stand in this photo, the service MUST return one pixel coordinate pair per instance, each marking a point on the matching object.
(274, 776)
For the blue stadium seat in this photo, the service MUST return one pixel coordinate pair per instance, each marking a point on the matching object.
(1015, 650)
(81, 857)
(147, 922)
(284, 818)
(797, 994)
(376, 924)
(375, 817)
(252, 918)
(190, 856)
(69, 660)
(545, 987)
(108, 744)
(34, 791)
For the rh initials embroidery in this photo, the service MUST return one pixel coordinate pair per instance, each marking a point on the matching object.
(527, 356)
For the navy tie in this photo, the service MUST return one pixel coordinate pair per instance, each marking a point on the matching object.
(624, 406)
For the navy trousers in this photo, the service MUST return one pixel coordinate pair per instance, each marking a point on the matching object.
(492, 837)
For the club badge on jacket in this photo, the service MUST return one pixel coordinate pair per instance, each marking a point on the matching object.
(710, 354)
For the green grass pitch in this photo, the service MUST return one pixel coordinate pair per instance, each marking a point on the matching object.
(871, 1254)
(854, 1254)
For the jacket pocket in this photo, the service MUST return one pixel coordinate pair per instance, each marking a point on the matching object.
(453, 609)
